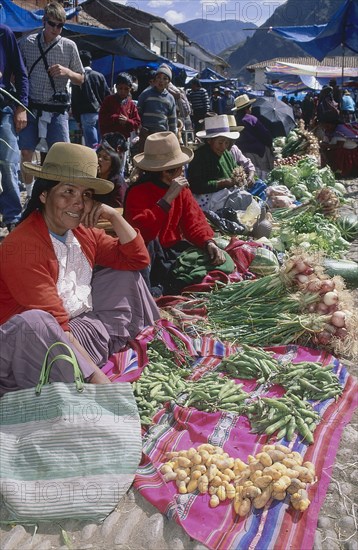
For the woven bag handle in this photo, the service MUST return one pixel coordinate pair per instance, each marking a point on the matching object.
(47, 366)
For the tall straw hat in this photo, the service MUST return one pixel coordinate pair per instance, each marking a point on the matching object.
(242, 101)
(217, 126)
(71, 163)
(232, 124)
(162, 151)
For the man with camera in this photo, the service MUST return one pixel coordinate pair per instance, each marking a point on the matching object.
(51, 61)
(13, 118)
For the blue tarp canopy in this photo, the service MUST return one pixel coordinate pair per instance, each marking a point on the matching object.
(103, 42)
(210, 75)
(21, 20)
(319, 40)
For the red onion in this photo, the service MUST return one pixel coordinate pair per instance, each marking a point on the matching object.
(322, 308)
(324, 337)
(327, 286)
(341, 333)
(301, 266)
(330, 298)
(338, 319)
(302, 278)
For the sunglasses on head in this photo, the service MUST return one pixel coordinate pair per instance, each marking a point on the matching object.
(55, 25)
(172, 170)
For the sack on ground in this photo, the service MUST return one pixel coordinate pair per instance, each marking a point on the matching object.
(67, 452)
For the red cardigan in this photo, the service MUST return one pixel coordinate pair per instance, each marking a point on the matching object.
(109, 113)
(184, 220)
(29, 267)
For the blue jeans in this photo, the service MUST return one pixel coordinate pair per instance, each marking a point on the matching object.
(89, 123)
(10, 203)
(57, 130)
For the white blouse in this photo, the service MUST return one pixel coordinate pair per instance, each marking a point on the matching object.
(74, 277)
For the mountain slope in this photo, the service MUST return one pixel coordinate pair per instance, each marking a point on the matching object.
(216, 36)
(264, 45)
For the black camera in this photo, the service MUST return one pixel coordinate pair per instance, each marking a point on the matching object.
(61, 97)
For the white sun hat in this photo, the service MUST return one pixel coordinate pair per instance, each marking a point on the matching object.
(217, 126)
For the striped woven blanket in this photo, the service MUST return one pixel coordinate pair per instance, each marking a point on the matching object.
(278, 526)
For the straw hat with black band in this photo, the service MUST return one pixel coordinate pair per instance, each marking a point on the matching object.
(162, 151)
(242, 101)
(70, 163)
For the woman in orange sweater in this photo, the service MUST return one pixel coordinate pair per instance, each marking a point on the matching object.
(49, 289)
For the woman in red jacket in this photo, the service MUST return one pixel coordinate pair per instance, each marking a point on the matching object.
(161, 205)
(50, 290)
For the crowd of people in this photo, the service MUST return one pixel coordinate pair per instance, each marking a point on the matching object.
(62, 279)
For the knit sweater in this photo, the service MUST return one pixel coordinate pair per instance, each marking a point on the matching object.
(184, 219)
(112, 107)
(29, 267)
(157, 110)
(207, 167)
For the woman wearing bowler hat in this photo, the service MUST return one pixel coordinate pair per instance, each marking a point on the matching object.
(49, 289)
(161, 205)
(211, 173)
(256, 141)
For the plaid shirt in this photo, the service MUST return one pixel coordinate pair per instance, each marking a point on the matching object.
(64, 53)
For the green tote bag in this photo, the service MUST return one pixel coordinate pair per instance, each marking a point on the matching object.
(67, 450)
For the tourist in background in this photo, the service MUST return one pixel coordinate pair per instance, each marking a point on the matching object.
(49, 99)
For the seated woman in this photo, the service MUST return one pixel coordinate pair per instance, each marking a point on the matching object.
(210, 174)
(49, 289)
(111, 155)
(161, 205)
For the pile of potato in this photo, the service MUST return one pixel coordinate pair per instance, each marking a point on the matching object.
(271, 474)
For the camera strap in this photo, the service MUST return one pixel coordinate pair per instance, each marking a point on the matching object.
(44, 58)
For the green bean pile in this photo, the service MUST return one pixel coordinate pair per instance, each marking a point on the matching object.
(309, 380)
(212, 393)
(284, 415)
(250, 363)
(161, 381)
